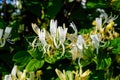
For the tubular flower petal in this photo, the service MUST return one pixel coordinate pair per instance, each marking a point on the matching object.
(7, 32)
(53, 28)
(99, 23)
(95, 40)
(81, 42)
(74, 28)
(62, 34)
(36, 29)
(42, 39)
(53, 31)
(5, 36)
(8, 77)
(14, 72)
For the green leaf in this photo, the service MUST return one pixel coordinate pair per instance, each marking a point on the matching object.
(22, 58)
(36, 53)
(34, 64)
(103, 62)
(53, 8)
(115, 46)
(116, 51)
(116, 5)
(50, 59)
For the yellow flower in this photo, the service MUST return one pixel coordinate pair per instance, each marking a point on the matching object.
(61, 75)
(109, 26)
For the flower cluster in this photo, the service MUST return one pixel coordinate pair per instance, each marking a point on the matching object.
(16, 74)
(73, 75)
(53, 39)
(58, 36)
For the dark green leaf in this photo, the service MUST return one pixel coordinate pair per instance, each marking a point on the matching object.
(103, 62)
(54, 8)
(36, 53)
(22, 58)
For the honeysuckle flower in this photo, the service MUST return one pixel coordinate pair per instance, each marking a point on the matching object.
(32, 75)
(4, 37)
(36, 28)
(8, 77)
(23, 76)
(38, 74)
(75, 52)
(41, 35)
(19, 74)
(42, 39)
(61, 75)
(53, 28)
(74, 28)
(81, 42)
(2, 41)
(77, 48)
(7, 32)
(96, 41)
(14, 72)
(73, 37)
(53, 31)
(107, 19)
(80, 75)
(83, 2)
(62, 36)
(98, 23)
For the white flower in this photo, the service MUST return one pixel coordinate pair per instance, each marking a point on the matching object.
(62, 34)
(53, 32)
(7, 32)
(83, 2)
(8, 77)
(6, 35)
(81, 42)
(42, 39)
(41, 34)
(98, 23)
(77, 48)
(53, 28)
(14, 72)
(104, 15)
(74, 28)
(96, 41)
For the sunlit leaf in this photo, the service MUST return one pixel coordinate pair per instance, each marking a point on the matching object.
(34, 65)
